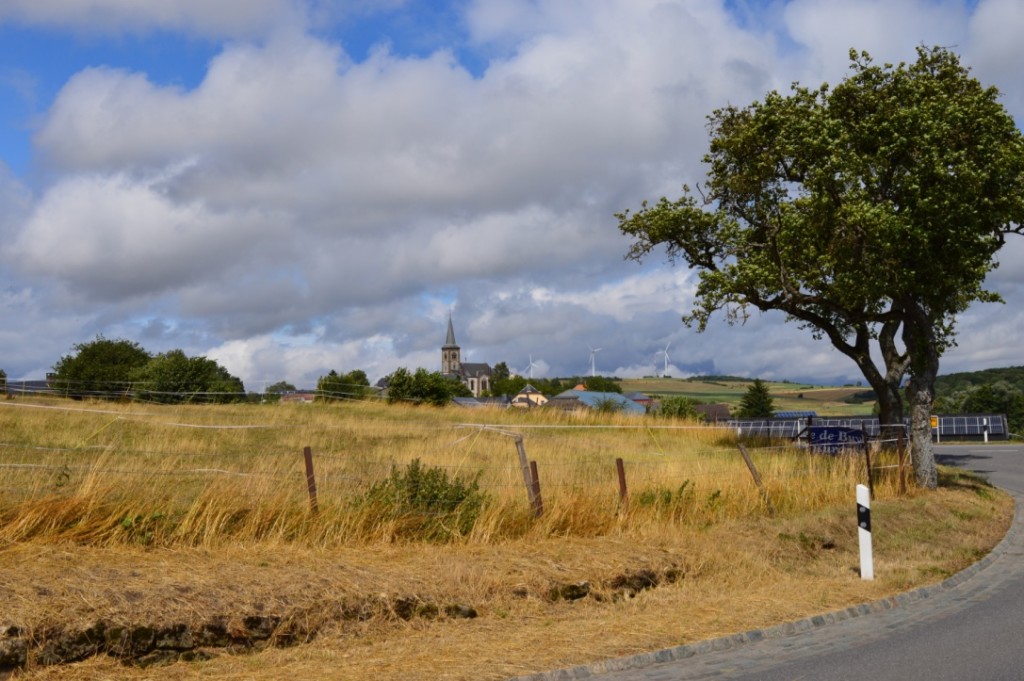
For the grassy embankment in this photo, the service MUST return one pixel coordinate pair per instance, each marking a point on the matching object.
(142, 514)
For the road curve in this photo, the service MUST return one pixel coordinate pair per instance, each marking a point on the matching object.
(969, 627)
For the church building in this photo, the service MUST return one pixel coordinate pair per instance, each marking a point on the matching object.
(475, 376)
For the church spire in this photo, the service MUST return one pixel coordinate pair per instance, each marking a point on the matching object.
(451, 355)
(449, 342)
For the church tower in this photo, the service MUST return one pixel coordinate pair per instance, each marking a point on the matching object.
(451, 355)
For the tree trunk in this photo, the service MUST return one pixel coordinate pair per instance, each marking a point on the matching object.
(919, 336)
(921, 394)
(890, 411)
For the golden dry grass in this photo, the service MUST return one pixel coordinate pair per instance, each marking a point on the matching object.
(121, 519)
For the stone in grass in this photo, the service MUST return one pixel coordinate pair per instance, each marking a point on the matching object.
(158, 658)
(405, 607)
(633, 583)
(428, 611)
(196, 656)
(261, 627)
(13, 653)
(570, 592)
(72, 647)
(460, 611)
(213, 634)
(174, 637)
(129, 641)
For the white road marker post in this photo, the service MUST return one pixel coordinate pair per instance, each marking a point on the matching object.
(867, 567)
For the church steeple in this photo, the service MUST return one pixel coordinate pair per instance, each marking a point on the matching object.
(449, 342)
(451, 355)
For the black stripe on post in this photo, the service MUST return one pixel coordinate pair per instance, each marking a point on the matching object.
(864, 517)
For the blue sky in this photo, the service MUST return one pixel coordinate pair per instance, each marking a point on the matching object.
(295, 186)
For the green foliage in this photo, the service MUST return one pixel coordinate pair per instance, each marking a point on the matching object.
(3, 379)
(351, 386)
(429, 387)
(173, 377)
(757, 402)
(510, 385)
(608, 405)
(427, 502)
(663, 497)
(99, 368)
(601, 384)
(1000, 397)
(144, 529)
(281, 387)
(677, 407)
(500, 372)
(950, 383)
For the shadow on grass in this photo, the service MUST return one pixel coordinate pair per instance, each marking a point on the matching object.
(951, 477)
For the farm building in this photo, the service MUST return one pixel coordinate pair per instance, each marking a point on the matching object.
(571, 400)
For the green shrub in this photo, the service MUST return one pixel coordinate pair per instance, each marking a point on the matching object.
(428, 503)
(677, 406)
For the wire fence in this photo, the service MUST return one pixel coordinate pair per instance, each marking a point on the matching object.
(654, 457)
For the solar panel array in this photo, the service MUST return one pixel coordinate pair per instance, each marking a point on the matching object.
(972, 425)
(949, 426)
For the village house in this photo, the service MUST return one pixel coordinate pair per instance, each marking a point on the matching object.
(529, 397)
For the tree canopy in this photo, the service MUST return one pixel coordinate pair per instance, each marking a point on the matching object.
(123, 369)
(281, 387)
(173, 377)
(99, 368)
(869, 213)
(422, 386)
(351, 386)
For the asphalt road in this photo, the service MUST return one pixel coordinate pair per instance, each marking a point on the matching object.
(970, 628)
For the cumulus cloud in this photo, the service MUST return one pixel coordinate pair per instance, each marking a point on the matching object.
(888, 29)
(222, 18)
(300, 210)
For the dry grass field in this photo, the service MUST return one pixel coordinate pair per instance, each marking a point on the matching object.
(425, 559)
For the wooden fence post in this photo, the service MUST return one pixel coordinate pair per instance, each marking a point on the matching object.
(902, 464)
(538, 504)
(867, 461)
(310, 479)
(757, 479)
(621, 469)
(524, 464)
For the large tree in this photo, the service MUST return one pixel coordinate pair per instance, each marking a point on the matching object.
(99, 368)
(869, 213)
(173, 377)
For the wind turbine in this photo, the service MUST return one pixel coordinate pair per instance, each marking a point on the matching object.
(664, 373)
(593, 368)
(529, 369)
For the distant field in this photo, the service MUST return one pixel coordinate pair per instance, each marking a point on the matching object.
(824, 400)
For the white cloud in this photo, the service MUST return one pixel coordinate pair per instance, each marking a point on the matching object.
(221, 18)
(297, 193)
(889, 30)
(110, 238)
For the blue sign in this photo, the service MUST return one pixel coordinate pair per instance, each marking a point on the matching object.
(834, 439)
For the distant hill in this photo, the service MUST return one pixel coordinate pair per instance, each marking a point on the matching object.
(787, 396)
(948, 383)
(953, 392)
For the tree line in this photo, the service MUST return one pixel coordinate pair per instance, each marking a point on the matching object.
(123, 369)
